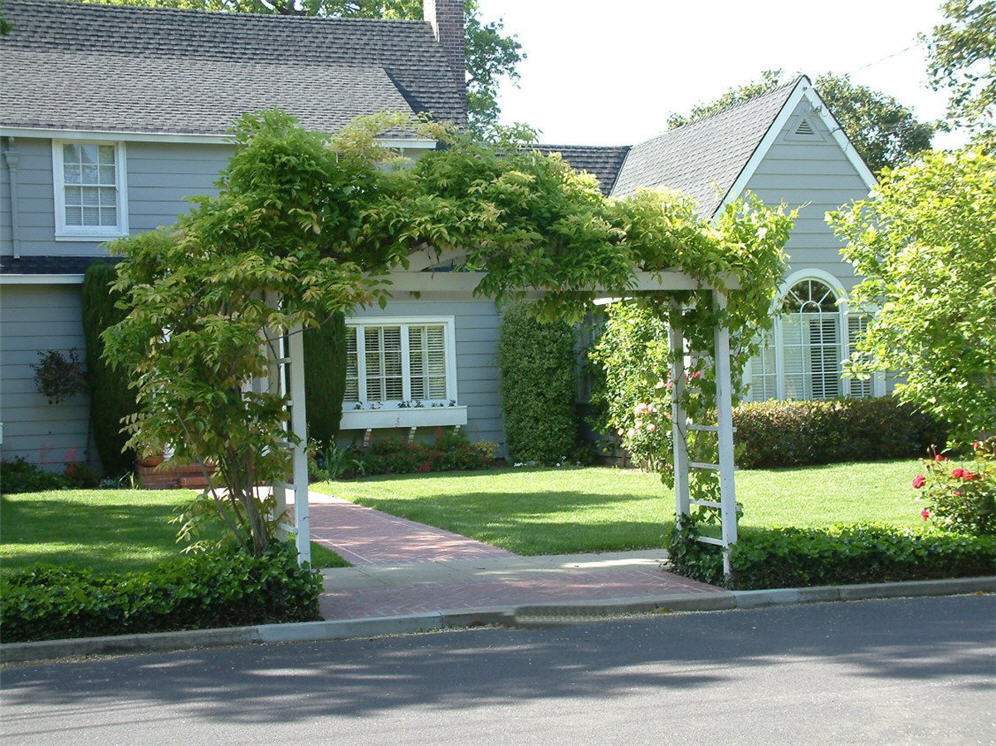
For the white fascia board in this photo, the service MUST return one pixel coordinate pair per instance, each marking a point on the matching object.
(170, 137)
(803, 89)
(38, 279)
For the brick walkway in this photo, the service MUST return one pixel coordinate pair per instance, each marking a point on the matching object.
(403, 567)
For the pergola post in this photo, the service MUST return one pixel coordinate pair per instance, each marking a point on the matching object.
(299, 426)
(676, 343)
(724, 411)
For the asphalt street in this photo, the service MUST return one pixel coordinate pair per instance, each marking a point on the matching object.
(891, 671)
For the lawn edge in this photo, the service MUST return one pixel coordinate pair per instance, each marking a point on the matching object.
(524, 615)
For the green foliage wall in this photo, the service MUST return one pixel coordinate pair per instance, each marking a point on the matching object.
(537, 386)
(325, 377)
(110, 397)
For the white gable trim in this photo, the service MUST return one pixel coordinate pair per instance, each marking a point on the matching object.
(172, 137)
(39, 279)
(803, 90)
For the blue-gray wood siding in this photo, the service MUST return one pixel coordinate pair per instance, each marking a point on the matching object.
(815, 176)
(160, 175)
(35, 318)
(476, 328)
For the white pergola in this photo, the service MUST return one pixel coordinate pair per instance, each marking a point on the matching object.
(421, 280)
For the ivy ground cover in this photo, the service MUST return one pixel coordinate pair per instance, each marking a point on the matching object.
(560, 511)
(100, 530)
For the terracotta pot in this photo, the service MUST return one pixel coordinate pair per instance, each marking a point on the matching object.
(150, 460)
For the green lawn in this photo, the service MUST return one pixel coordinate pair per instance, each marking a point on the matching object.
(104, 530)
(555, 511)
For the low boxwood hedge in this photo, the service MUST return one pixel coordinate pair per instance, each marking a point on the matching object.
(195, 592)
(796, 433)
(855, 553)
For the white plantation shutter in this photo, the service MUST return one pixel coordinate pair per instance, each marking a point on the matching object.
(399, 363)
(857, 325)
(824, 357)
(352, 393)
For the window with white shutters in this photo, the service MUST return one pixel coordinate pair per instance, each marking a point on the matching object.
(811, 342)
(399, 364)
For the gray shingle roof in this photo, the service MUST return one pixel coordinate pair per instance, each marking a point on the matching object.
(50, 265)
(703, 159)
(70, 65)
(603, 162)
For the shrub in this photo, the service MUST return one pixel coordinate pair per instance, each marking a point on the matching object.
(111, 399)
(860, 553)
(325, 378)
(196, 592)
(796, 433)
(961, 497)
(536, 360)
(20, 476)
(450, 451)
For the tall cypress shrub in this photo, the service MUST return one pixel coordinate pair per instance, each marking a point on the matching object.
(537, 387)
(110, 397)
(325, 377)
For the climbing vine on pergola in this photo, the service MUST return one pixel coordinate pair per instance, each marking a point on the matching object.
(304, 226)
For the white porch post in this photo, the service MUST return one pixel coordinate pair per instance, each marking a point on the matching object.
(676, 342)
(724, 407)
(299, 426)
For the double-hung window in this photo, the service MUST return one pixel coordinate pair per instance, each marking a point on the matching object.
(395, 363)
(90, 190)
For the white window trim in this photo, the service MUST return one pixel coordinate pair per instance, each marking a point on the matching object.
(391, 414)
(65, 232)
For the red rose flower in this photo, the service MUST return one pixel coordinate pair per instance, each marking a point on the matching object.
(925, 513)
(918, 481)
(968, 475)
(958, 473)
(940, 457)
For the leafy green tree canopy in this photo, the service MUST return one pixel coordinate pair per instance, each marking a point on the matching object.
(491, 55)
(962, 59)
(305, 226)
(924, 243)
(883, 131)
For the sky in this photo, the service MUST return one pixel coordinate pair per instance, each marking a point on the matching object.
(610, 73)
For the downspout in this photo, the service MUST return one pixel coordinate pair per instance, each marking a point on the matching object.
(11, 161)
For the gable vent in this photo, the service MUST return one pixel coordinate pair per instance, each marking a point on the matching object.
(805, 128)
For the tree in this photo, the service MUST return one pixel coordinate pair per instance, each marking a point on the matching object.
(490, 54)
(325, 378)
(924, 244)
(111, 398)
(883, 131)
(961, 58)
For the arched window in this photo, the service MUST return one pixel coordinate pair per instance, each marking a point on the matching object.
(811, 341)
(802, 356)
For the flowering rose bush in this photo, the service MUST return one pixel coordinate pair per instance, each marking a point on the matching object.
(961, 498)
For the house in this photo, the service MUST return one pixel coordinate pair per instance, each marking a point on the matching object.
(110, 116)
(783, 146)
(116, 114)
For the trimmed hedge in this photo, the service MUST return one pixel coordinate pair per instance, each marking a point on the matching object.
(325, 378)
(20, 476)
(856, 553)
(196, 592)
(537, 387)
(797, 433)
(110, 397)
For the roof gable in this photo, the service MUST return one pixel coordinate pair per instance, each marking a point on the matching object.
(601, 161)
(156, 68)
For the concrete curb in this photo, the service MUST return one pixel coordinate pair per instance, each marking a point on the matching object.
(526, 615)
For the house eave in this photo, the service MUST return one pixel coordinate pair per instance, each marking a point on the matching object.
(172, 137)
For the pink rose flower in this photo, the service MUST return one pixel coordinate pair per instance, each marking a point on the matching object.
(918, 481)
(925, 513)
